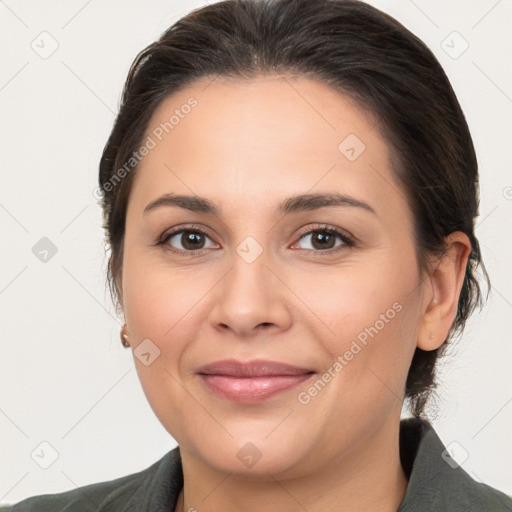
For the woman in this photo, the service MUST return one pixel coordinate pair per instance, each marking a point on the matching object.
(289, 193)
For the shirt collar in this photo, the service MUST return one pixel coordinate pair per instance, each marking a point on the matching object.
(436, 480)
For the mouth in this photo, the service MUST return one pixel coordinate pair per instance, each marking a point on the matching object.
(253, 381)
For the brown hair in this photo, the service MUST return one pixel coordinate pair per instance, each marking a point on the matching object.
(357, 50)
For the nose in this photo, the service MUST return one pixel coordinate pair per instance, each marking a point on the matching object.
(251, 298)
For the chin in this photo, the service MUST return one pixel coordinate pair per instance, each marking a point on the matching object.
(253, 457)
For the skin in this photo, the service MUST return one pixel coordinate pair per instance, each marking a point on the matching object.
(247, 146)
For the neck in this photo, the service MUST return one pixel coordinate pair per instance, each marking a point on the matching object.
(370, 479)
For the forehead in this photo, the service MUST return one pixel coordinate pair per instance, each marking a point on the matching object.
(255, 112)
(263, 137)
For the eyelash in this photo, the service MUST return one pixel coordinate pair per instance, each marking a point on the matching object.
(346, 239)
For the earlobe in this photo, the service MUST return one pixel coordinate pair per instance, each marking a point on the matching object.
(446, 282)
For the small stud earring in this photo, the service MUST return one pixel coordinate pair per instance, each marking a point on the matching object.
(124, 337)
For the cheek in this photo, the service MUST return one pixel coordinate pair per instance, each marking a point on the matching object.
(169, 306)
(158, 297)
(162, 304)
(369, 319)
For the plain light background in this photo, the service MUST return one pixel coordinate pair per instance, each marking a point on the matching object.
(66, 381)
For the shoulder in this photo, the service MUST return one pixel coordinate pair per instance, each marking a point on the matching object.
(436, 480)
(88, 498)
(113, 495)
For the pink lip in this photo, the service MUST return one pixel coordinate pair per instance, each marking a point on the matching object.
(253, 381)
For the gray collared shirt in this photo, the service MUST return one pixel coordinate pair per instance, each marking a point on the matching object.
(436, 483)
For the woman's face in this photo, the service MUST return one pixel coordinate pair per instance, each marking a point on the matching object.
(349, 311)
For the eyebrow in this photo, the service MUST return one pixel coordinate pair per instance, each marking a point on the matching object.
(303, 202)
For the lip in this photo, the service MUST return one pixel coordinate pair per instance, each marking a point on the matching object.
(252, 381)
(254, 368)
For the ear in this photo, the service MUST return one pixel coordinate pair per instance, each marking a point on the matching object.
(442, 290)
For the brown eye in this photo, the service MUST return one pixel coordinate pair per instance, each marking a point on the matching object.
(322, 240)
(325, 240)
(192, 240)
(187, 241)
